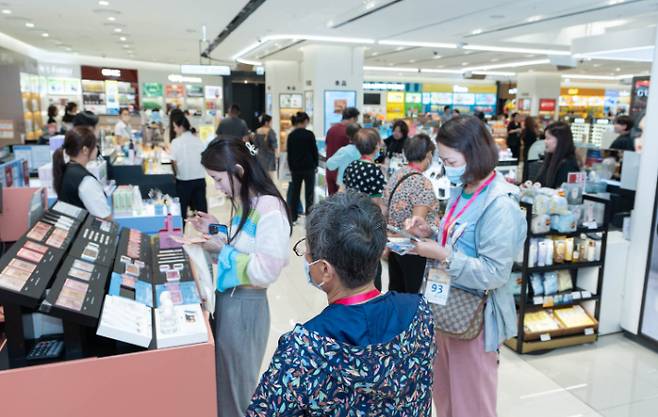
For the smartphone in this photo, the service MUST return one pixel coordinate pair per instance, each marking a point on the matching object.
(215, 229)
(402, 233)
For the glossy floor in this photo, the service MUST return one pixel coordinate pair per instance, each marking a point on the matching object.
(613, 378)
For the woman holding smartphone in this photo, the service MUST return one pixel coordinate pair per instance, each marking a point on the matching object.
(248, 261)
(485, 212)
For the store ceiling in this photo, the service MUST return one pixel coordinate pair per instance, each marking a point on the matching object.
(170, 31)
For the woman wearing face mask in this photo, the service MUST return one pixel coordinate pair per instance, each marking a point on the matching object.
(486, 208)
(560, 157)
(249, 262)
(395, 142)
(366, 353)
(71, 180)
(409, 193)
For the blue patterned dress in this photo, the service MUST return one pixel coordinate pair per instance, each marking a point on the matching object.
(313, 375)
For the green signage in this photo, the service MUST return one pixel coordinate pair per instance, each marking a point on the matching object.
(153, 90)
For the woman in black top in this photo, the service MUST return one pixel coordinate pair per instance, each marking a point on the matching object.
(70, 111)
(514, 135)
(560, 158)
(395, 142)
(303, 161)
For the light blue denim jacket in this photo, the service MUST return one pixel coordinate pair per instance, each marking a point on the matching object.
(342, 159)
(499, 235)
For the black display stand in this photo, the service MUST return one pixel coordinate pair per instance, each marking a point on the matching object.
(526, 304)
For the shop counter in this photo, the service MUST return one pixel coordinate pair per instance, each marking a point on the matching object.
(134, 175)
(149, 220)
(169, 382)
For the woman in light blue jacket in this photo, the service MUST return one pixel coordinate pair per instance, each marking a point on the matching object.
(345, 155)
(486, 207)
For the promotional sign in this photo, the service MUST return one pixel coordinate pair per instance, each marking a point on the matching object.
(639, 95)
(290, 101)
(174, 90)
(334, 104)
(547, 104)
(194, 90)
(153, 90)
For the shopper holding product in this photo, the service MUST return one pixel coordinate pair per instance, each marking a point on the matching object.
(560, 157)
(247, 263)
(366, 354)
(409, 193)
(478, 240)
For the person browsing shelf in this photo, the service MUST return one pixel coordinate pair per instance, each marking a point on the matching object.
(72, 182)
(122, 131)
(560, 157)
(186, 162)
(395, 142)
(336, 139)
(364, 175)
(623, 126)
(345, 155)
(248, 261)
(479, 261)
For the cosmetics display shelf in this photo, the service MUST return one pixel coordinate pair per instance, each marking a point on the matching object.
(580, 231)
(525, 303)
(578, 295)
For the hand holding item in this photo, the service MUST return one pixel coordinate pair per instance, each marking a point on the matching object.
(201, 221)
(188, 240)
(432, 250)
(418, 226)
(214, 243)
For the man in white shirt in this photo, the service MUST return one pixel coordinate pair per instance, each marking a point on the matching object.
(186, 152)
(122, 132)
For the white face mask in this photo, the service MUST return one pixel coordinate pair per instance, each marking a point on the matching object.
(307, 272)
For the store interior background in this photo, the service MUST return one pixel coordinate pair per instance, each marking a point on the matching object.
(545, 58)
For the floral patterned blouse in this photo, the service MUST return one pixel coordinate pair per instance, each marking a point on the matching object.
(313, 375)
(415, 190)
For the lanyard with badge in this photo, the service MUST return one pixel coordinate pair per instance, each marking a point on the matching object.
(437, 288)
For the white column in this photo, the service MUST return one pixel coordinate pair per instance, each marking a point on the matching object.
(535, 86)
(281, 77)
(643, 211)
(330, 67)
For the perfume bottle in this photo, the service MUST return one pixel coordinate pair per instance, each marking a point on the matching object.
(168, 319)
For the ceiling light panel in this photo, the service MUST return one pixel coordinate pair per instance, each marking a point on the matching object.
(491, 48)
(510, 65)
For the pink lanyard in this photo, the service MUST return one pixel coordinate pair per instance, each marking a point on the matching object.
(450, 222)
(357, 299)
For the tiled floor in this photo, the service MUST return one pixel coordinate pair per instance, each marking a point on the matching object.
(613, 378)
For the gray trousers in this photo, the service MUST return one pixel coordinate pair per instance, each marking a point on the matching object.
(242, 325)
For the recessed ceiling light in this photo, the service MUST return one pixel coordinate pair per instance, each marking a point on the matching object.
(412, 61)
(126, 46)
(534, 18)
(123, 38)
(68, 49)
(103, 3)
(476, 31)
(596, 65)
(468, 52)
(495, 59)
(45, 35)
(374, 54)
(464, 64)
(617, 69)
(437, 57)
(118, 30)
(29, 24)
(6, 11)
(399, 48)
(111, 18)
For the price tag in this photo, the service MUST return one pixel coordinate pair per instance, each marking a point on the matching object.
(589, 332)
(437, 288)
(575, 295)
(586, 294)
(549, 301)
(538, 300)
(545, 337)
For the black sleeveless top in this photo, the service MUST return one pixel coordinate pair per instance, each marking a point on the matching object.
(73, 176)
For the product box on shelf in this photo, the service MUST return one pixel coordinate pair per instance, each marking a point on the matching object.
(126, 320)
(180, 325)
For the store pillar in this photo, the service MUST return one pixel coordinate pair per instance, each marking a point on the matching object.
(532, 87)
(283, 81)
(333, 80)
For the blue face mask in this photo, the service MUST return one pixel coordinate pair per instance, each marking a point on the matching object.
(307, 273)
(455, 174)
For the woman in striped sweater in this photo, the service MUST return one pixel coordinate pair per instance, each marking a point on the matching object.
(247, 263)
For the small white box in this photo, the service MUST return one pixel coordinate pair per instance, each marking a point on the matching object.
(126, 320)
(190, 327)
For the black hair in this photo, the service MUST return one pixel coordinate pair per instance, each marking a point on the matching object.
(457, 111)
(348, 231)
(299, 118)
(52, 111)
(402, 125)
(367, 141)
(351, 130)
(471, 138)
(85, 118)
(224, 154)
(70, 106)
(265, 118)
(234, 109)
(480, 115)
(626, 121)
(122, 109)
(181, 120)
(514, 114)
(565, 149)
(446, 108)
(351, 113)
(417, 147)
(74, 141)
(173, 114)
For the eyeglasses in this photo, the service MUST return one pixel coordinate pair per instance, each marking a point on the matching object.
(300, 247)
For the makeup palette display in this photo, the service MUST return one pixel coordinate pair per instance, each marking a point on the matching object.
(171, 266)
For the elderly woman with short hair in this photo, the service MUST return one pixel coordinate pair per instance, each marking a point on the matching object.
(366, 353)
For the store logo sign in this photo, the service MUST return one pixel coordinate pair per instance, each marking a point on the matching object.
(512, 91)
(176, 78)
(107, 72)
(459, 89)
(205, 69)
(573, 91)
(384, 86)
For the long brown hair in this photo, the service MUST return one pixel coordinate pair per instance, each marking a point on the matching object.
(223, 154)
(75, 139)
(565, 149)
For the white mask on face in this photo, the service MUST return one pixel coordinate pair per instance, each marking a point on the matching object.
(307, 272)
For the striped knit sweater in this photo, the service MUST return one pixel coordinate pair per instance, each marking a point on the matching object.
(259, 253)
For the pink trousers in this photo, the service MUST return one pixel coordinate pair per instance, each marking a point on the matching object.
(465, 378)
